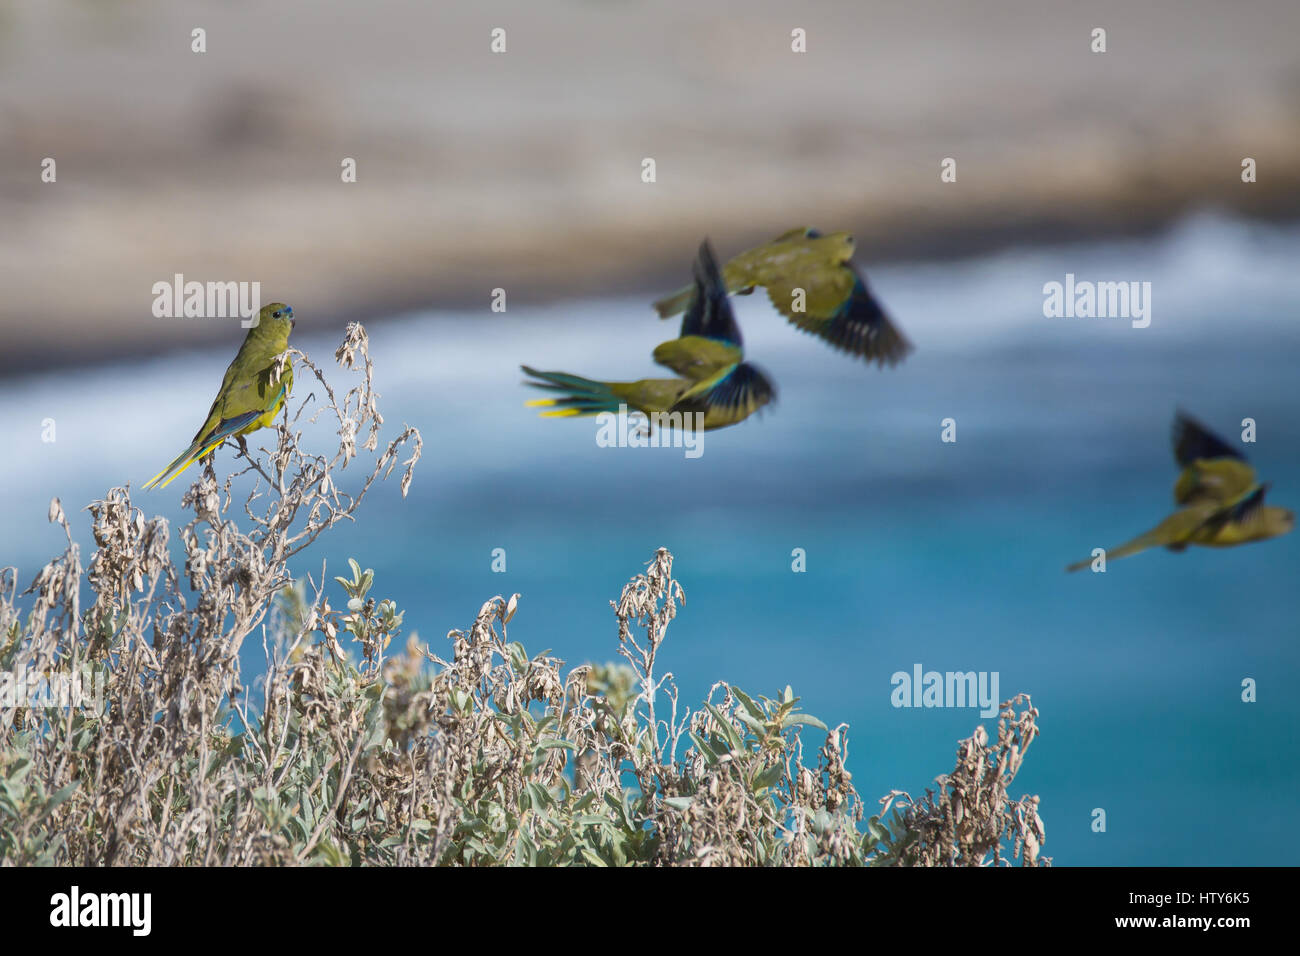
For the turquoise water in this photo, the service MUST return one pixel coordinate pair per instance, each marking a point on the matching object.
(947, 555)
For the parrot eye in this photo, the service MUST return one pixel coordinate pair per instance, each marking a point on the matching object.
(276, 314)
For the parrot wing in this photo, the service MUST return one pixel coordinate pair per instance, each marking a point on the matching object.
(731, 397)
(1244, 510)
(1212, 469)
(1217, 480)
(840, 309)
(1237, 521)
(710, 315)
(1193, 441)
(735, 279)
(825, 288)
(228, 428)
(246, 387)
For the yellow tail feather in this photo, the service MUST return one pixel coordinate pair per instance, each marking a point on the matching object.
(179, 464)
(172, 470)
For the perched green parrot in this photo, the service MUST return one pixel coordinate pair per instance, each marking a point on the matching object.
(248, 399)
(837, 304)
(1223, 503)
(714, 380)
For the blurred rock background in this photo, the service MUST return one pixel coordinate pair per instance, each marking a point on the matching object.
(522, 170)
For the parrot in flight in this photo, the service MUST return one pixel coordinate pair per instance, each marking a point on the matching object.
(708, 358)
(248, 398)
(1222, 503)
(837, 305)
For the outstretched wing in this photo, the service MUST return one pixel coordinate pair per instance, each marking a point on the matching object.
(1217, 480)
(1213, 470)
(812, 295)
(732, 398)
(1193, 441)
(709, 314)
(839, 308)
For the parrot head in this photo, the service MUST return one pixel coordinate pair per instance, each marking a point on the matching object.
(841, 243)
(1269, 521)
(274, 323)
(836, 246)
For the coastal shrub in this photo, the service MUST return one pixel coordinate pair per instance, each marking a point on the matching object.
(130, 736)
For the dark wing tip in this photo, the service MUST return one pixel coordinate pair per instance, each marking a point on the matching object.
(1246, 507)
(706, 269)
(863, 328)
(1193, 441)
(710, 314)
(747, 389)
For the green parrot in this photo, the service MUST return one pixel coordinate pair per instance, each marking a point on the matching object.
(1223, 505)
(248, 399)
(708, 358)
(837, 304)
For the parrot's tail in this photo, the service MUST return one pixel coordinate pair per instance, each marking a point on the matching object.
(583, 396)
(175, 467)
(679, 301)
(205, 445)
